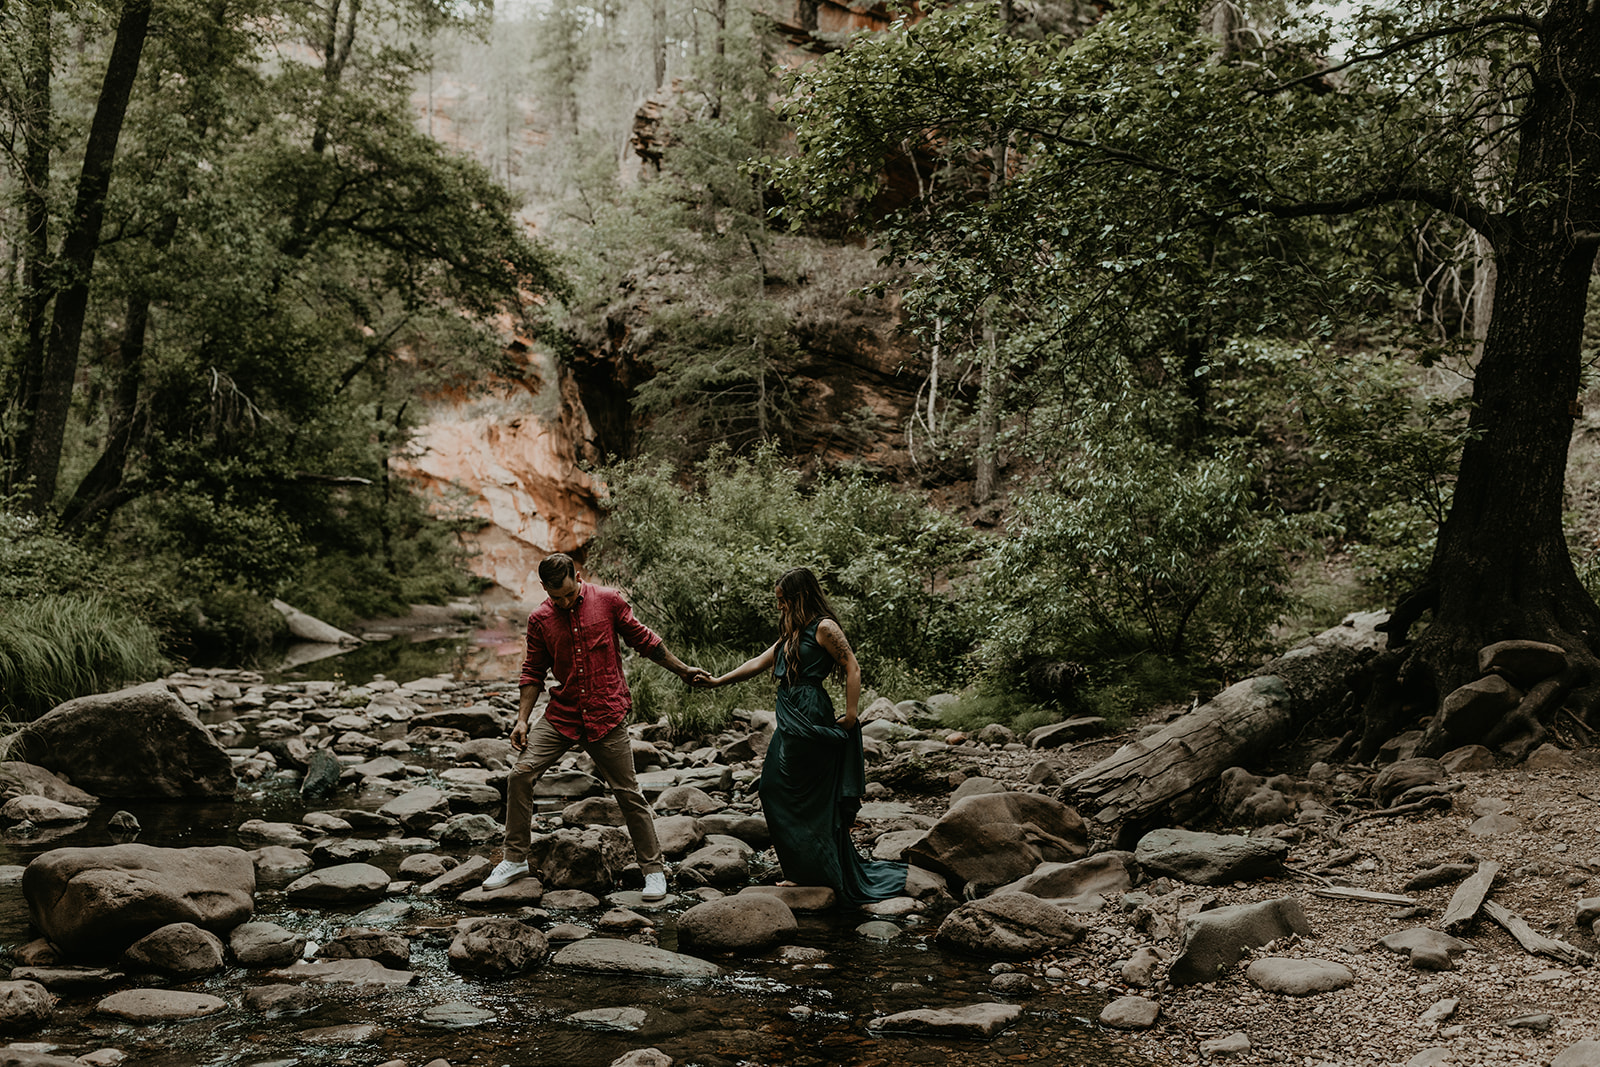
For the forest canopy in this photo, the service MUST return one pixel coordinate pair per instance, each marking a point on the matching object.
(1220, 319)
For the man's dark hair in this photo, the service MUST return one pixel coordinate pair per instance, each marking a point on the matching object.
(556, 568)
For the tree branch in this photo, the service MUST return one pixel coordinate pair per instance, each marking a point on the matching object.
(1474, 215)
(1527, 22)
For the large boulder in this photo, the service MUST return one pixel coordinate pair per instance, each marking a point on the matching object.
(590, 859)
(135, 743)
(1012, 925)
(991, 839)
(95, 902)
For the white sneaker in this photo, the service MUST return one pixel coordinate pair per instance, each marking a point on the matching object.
(655, 885)
(504, 873)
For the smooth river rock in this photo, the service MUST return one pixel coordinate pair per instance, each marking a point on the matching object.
(1209, 859)
(609, 956)
(159, 1005)
(1298, 977)
(972, 1020)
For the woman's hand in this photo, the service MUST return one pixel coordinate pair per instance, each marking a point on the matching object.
(848, 722)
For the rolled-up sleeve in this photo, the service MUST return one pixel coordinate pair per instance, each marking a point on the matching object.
(635, 634)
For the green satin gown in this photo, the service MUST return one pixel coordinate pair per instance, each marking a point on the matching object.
(812, 781)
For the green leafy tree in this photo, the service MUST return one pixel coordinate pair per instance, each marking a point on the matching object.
(1145, 134)
(294, 263)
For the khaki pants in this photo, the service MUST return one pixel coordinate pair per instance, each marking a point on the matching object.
(613, 758)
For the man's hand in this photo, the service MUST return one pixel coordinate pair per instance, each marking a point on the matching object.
(519, 735)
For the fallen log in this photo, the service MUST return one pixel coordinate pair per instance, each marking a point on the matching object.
(1533, 941)
(1172, 772)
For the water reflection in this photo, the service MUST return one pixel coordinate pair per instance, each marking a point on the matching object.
(489, 650)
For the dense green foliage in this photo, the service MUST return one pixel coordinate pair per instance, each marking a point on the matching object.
(1187, 311)
(288, 264)
(72, 621)
(1118, 209)
(701, 560)
(1137, 548)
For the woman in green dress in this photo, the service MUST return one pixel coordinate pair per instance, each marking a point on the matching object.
(814, 773)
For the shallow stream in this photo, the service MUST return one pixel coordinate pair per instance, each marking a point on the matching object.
(764, 1010)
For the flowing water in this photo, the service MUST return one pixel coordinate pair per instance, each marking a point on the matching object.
(764, 1010)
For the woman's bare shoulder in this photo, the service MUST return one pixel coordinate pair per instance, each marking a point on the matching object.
(829, 630)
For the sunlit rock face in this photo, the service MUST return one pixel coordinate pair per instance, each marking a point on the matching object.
(511, 461)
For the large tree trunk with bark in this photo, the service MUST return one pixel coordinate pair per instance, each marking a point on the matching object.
(42, 462)
(35, 243)
(1501, 569)
(1171, 774)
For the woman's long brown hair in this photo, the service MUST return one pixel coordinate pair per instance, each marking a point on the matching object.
(801, 602)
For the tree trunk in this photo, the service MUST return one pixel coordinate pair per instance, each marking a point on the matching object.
(985, 462)
(1171, 773)
(658, 40)
(35, 197)
(101, 490)
(78, 248)
(1501, 568)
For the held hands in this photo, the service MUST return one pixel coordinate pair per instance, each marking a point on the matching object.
(699, 678)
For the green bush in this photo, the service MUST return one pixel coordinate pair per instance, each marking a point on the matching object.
(55, 648)
(700, 562)
(1137, 547)
(37, 561)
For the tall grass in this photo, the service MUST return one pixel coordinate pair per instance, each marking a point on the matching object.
(55, 648)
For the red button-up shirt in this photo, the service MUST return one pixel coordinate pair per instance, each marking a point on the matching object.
(590, 697)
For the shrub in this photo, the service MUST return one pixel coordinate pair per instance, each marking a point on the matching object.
(700, 562)
(36, 560)
(1137, 547)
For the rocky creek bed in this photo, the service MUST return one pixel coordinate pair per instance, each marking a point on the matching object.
(1306, 927)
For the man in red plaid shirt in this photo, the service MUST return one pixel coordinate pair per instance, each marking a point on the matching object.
(576, 634)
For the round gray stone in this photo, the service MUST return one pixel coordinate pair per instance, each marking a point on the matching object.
(1130, 1013)
(1299, 977)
